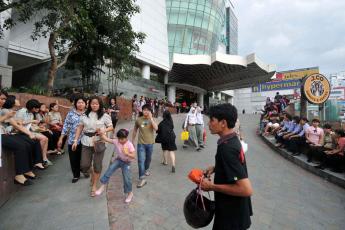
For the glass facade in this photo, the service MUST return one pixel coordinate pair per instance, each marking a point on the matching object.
(194, 26)
(231, 32)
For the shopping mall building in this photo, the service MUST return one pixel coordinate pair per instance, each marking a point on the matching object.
(190, 53)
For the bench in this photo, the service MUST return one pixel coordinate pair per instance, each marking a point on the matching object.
(7, 173)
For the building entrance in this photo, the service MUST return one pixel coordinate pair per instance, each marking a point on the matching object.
(187, 96)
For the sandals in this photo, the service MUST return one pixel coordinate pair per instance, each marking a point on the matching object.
(93, 193)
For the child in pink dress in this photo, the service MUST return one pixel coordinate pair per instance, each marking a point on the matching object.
(125, 154)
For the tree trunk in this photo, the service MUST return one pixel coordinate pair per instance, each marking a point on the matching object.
(53, 65)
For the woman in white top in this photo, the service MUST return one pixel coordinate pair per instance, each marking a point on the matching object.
(93, 122)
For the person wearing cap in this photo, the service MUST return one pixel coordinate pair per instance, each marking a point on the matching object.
(297, 141)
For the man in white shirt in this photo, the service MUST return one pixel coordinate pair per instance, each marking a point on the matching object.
(189, 125)
(199, 126)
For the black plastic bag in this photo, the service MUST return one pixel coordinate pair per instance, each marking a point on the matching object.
(198, 213)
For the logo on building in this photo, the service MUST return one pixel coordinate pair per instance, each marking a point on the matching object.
(316, 88)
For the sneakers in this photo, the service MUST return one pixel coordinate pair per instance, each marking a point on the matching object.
(141, 183)
(147, 173)
(47, 163)
(198, 149)
(129, 198)
(100, 190)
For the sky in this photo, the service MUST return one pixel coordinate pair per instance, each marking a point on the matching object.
(293, 34)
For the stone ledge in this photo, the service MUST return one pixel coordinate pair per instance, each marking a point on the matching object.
(335, 178)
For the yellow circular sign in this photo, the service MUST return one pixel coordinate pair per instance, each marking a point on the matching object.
(316, 88)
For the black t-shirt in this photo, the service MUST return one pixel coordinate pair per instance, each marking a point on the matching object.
(232, 213)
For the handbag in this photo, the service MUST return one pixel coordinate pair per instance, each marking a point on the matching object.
(198, 209)
(184, 135)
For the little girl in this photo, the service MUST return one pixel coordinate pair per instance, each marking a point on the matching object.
(125, 154)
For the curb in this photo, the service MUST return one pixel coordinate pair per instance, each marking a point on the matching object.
(335, 178)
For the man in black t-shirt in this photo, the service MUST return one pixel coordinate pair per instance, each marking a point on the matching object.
(231, 185)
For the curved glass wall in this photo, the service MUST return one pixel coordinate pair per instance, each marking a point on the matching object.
(194, 26)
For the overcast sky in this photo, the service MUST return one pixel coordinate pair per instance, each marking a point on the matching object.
(293, 33)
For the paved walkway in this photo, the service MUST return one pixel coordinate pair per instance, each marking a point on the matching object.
(285, 195)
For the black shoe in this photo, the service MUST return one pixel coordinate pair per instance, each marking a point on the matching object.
(319, 167)
(296, 154)
(26, 183)
(75, 180)
(309, 160)
(30, 177)
(173, 169)
(202, 146)
(198, 149)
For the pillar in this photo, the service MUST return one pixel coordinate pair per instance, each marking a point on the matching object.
(201, 99)
(172, 93)
(5, 70)
(145, 72)
(166, 78)
(219, 95)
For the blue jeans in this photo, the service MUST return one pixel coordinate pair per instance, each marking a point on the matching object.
(126, 174)
(144, 158)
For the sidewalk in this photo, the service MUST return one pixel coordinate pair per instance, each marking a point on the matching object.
(53, 202)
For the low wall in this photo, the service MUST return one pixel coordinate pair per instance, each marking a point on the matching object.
(7, 173)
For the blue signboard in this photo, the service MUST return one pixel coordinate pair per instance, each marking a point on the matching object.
(277, 85)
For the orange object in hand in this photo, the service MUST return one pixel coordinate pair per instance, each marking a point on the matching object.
(195, 175)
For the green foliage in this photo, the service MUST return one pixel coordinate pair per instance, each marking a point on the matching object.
(86, 32)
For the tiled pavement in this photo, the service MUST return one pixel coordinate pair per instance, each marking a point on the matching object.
(285, 195)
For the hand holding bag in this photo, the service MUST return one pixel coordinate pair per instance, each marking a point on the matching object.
(184, 136)
(198, 210)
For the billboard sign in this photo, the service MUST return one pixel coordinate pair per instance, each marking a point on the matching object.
(296, 74)
(277, 85)
(316, 88)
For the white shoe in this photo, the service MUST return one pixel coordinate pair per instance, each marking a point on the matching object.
(129, 198)
(100, 190)
(147, 173)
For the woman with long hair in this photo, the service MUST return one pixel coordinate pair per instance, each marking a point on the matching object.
(94, 121)
(69, 128)
(113, 111)
(166, 137)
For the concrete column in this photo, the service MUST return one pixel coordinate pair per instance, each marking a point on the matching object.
(172, 93)
(201, 99)
(145, 72)
(219, 95)
(4, 42)
(166, 78)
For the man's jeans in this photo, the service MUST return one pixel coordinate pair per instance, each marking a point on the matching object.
(126, 174)
(144, 158)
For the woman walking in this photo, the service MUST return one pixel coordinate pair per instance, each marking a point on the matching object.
(93, 122)
(166, 137)
(113, 111)
(69, 128)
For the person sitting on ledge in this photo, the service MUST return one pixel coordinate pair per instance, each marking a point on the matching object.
(334, 159)
(329, 143)
(288, 128)
(297, 142)
(296, 130)
(272, 124)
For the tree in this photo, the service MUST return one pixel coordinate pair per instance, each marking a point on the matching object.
(90, 29)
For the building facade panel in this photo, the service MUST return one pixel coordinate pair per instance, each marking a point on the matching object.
(194, 27)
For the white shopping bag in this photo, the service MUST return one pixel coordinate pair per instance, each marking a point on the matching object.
(244, 146)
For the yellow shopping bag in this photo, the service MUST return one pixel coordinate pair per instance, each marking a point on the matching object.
(184, 135)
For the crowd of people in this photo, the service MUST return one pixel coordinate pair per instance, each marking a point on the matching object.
(322, 145)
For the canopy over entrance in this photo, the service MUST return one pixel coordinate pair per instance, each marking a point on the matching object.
(219, 71)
